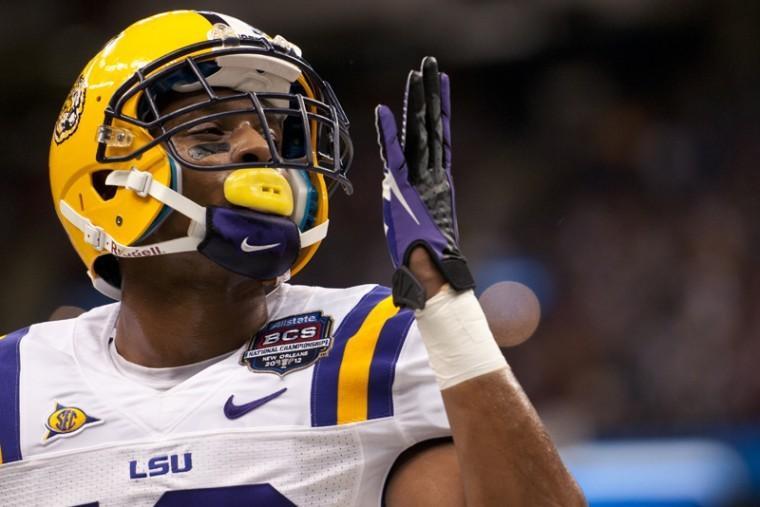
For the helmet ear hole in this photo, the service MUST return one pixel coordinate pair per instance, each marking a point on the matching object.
(106, 192)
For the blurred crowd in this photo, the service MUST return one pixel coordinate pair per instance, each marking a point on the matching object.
(611, 168)
(645, 217)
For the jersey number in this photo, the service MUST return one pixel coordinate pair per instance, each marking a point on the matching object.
(230, 496)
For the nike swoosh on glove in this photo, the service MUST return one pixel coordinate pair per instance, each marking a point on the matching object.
(418, 193)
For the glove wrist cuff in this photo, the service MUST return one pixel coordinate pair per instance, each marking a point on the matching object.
(408, 291)
(456, 272)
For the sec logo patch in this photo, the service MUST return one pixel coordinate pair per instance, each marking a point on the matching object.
(66, 421)
(290, 344)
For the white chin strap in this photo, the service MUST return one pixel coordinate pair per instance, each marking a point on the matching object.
(143, 184)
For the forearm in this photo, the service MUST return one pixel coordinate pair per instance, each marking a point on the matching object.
(505, 455)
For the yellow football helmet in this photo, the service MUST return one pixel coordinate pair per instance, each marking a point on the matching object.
(115, 172)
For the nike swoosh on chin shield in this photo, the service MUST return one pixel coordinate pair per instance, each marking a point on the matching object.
(232, 411)
(247, 247)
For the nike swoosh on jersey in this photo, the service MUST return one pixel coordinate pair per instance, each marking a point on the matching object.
(232, 411)
(247, 247)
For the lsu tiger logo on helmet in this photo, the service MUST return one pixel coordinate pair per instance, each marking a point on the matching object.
(68, 119)
(116, 172)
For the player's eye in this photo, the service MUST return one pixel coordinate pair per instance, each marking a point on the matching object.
(206, 129)
(203, 150)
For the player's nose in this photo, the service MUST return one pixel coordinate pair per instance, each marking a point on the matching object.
(248, 145)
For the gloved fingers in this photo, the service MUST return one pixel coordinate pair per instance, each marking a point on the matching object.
(446, 121)
(388, 140)
(416, 134)
(432, 83)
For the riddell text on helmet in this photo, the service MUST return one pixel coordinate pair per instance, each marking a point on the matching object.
(148, 252)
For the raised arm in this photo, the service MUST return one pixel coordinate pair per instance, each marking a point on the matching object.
(501, 454)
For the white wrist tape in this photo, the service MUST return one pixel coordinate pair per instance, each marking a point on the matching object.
(459, 343)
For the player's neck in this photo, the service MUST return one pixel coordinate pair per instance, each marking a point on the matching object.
(162, 325)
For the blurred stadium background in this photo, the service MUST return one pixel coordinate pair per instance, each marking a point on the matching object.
(605, 155)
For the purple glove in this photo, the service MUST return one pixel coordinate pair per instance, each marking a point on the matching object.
(418, 194)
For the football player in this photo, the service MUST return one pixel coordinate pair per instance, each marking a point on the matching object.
(191, 166)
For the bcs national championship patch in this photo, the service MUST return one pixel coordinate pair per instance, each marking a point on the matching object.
(290, 344)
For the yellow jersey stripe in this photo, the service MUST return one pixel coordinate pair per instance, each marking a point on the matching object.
(353, 378)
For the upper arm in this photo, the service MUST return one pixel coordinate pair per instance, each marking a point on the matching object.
(426, 474)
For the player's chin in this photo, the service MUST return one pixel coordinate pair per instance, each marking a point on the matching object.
(207, 272)
(191, 270)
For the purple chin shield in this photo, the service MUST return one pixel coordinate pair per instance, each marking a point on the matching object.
(249, 243)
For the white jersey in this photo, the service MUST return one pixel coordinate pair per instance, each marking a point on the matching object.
(313, 411)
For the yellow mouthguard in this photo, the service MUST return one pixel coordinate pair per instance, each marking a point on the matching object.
(264, 190)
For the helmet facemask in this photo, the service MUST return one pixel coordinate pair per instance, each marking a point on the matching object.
(314, 132)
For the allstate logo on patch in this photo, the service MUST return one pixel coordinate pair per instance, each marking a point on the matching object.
(66, 421)
(290, 344)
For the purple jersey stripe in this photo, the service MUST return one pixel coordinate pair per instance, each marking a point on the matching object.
(383, 368)
(10, 370)
(324, 385)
